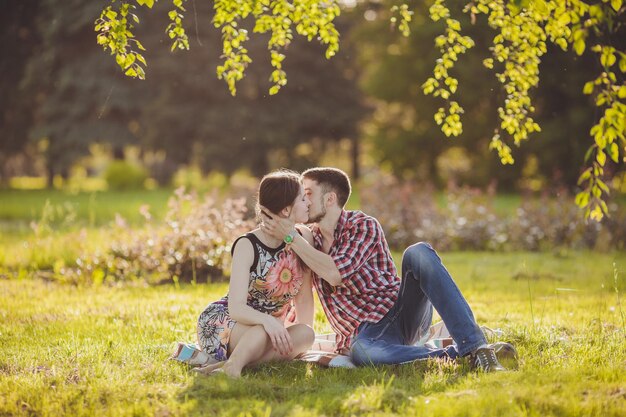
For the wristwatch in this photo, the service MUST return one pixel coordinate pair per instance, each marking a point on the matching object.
(289, 238)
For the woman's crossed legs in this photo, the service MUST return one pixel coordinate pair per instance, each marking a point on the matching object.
(250, 345)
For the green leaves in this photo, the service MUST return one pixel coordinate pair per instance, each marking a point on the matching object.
(504, 150)
(616, 4)
(522, 29)
(147, 3)
(579, 41)
(405, 17)
(590, 198)
(608, 133)
(310, 18)
(278, 77)
(313, 19)
(607, 56)
(613, 150)
(451, 44)
(116, 36)
(110, 14)
(236, 55)
(175, 30)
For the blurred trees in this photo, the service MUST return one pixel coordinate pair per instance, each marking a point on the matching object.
(406, 136)
(76, 97)
(19, 36)
(181, 114)
(63, 94)
(199, 120)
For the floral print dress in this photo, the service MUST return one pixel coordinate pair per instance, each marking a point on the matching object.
(275, 279)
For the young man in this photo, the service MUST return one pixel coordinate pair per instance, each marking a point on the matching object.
(377, 316)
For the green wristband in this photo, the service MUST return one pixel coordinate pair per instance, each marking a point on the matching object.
(289, 238)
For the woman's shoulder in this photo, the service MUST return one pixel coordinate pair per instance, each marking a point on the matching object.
(244, 242)
(243, 251)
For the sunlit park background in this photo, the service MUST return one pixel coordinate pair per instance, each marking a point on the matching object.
(120, 197)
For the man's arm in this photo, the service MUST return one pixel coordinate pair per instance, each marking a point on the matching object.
(319, 262)
(366, 239)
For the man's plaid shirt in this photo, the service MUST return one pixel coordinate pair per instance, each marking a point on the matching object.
(370, 281)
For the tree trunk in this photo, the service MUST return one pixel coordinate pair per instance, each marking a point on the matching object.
(118, 153)
(50, 179)
(260, 166)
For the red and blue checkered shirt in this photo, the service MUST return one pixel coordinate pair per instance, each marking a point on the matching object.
(370, 281)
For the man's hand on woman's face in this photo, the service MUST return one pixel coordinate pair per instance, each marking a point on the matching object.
(274, 225)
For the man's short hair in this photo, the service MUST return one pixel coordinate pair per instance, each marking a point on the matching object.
(331, 179)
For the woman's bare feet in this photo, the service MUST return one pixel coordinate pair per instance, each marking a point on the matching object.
(208, 369)
(231, 370)
(228, 368)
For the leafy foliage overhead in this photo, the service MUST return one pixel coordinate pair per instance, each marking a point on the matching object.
(279, 18)
(523, 28)
(402, 127)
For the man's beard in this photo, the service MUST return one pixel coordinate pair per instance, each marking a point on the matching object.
(318, 217)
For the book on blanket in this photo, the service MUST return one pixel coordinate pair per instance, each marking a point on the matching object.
(322, 352)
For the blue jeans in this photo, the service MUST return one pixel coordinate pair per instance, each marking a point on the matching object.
(425, 284)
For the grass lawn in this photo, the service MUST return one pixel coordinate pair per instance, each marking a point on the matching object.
(64, 210)
(104, 351)
(94, 208)
(19, 207)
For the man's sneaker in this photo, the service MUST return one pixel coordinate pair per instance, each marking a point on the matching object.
(505, 352)
(485, 359)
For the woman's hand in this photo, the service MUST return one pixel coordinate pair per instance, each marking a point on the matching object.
(281, 341)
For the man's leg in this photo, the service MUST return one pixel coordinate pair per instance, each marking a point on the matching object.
(384, 342)
(424, 276)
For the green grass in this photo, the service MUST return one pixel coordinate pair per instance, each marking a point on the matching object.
(65, 211)
(104, 351)
(94, 208)
(20, 207)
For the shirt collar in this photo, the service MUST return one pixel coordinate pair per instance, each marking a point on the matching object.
(341, 223)
(343, 219)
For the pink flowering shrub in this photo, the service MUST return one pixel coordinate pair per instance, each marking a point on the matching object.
(405, 210)
(410, 212)
(193, 244)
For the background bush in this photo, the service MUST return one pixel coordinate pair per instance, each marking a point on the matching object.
(192, 245)
(123, 175)
(410, 212)
(192, 241)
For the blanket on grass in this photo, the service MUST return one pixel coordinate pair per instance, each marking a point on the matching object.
(323, 352)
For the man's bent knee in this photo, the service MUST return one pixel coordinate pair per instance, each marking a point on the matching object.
(418, 249)
(419, 252)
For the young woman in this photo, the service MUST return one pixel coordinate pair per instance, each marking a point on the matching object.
(250, 325)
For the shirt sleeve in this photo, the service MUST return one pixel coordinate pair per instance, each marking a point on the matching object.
(359, 244)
